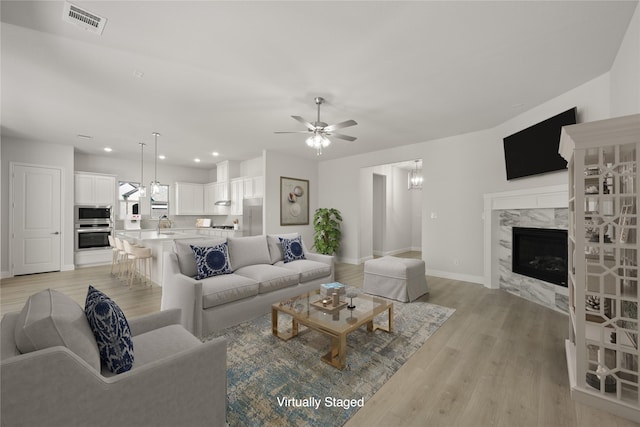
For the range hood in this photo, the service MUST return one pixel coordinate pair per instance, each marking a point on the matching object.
(223, 203)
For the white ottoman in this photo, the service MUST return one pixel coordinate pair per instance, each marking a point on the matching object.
(401, 279)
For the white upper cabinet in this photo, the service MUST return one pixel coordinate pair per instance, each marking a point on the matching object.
(94, 189)
(189, 198)
(237, 191)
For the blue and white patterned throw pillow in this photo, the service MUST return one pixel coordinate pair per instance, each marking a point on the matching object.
(212, 260)
(111, 330)
(292, 249)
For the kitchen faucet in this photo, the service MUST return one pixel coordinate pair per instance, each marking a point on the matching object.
(163, 218)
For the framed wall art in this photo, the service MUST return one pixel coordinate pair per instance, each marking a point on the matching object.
(294, 201)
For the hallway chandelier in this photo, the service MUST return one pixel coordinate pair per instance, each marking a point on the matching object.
(142, 190)
(415, 179)
(155, 185)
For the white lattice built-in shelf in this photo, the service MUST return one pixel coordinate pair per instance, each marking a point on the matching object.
(604, 254)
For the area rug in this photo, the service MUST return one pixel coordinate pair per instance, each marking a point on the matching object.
(278, 383)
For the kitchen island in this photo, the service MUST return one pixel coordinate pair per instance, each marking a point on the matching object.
(161, 241)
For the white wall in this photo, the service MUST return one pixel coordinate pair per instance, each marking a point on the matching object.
(391, 229)
(345, 184)
(416, 220)
(129, 170)
(625, 72)
(34, 153)
(457, 172)
(278, 165)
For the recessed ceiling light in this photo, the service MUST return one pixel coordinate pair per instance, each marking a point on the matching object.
(196, 160)
(162, 157)
(215, 153)
(108, 149)
(84, 137)
(137, 73)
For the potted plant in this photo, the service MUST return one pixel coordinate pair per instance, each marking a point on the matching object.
(326, 225)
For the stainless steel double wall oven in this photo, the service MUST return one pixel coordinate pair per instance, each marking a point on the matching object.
(94, 225)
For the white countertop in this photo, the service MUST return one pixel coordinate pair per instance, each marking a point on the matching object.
(166, 234)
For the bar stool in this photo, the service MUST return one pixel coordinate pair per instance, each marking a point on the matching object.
(137, 258)
(116, 255)
(122, 256)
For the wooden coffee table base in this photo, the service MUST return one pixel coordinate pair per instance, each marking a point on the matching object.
(337, 356)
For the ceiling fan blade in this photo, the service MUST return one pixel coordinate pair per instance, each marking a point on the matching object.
(304, 122)
(340, 125)
(341, 136)
(295, 131)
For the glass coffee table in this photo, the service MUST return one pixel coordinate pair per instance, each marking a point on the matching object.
(336, 322)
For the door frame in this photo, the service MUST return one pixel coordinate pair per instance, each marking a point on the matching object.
(63, 234)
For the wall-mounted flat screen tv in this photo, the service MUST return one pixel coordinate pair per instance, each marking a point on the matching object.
(534, 150)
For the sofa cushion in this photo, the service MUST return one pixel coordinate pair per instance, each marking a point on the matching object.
(292, 249)
(275, 247)
(308, 270)
(111, 330)
(227, 288)
(270, 277)
(211, 260)
(248, 251)
(186, 257)
(50, 319)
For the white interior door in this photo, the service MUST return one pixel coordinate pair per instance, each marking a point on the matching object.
(36, 222)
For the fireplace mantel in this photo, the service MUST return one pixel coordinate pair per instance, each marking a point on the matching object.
(556, 196)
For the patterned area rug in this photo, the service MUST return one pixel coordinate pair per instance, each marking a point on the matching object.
(273, 382)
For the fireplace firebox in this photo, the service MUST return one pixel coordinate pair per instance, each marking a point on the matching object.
(540, 253)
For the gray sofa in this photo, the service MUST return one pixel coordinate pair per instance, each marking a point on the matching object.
(260, 278)
(175, 379)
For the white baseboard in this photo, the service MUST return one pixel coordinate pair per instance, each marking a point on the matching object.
(4, 274)
(456, 276)
(353, 261)
(68, 267)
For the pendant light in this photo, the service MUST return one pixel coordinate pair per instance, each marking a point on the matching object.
(142, 190)
(415, 178)
(155, 185)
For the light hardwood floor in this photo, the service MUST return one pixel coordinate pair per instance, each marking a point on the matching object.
(498, 361)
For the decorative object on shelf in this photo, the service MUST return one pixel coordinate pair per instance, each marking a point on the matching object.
(327, 234)
(142, 190)
(320, 131)
(625, 214)
(294, 201)
(414, 178)
(592, 303)
(155, 185)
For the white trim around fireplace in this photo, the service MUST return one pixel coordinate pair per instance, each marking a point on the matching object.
(556, 196)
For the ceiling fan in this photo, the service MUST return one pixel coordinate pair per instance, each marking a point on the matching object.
(320, 131)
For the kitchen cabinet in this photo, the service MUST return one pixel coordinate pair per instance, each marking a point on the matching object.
(237, 191)
(253, 187)
(94, 189)
(189, 198)
(213, 192)
(602, 350)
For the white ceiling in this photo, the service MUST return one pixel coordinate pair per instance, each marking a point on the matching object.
(223, 76)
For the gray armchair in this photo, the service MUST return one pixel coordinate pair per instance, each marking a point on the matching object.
(175, 380)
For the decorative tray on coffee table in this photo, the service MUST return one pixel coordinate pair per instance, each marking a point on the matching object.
(329, 307)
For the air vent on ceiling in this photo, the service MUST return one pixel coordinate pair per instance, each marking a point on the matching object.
(83, 18)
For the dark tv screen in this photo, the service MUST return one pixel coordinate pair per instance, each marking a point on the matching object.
(534, 150)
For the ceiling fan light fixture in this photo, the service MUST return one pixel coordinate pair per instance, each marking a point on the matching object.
(318, 141)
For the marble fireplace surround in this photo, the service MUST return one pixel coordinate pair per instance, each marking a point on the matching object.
(543, 207)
